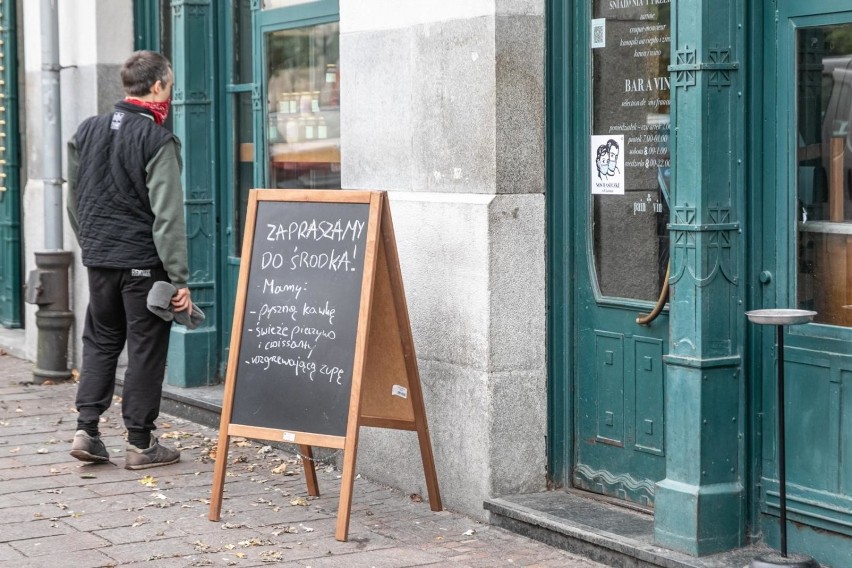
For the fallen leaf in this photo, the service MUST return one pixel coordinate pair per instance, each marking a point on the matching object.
(165, 425)
(233, 526)
(299, 502)
(415, 498)
(288, 530)
(280, 469)
(306, 529)
(470, 532)
(148, 481)
(240, 554)
(158, 496)
(41, 451)
(264, 450)
(270, 556)
(439, 538)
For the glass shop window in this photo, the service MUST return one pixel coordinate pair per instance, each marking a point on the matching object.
(629, 147)
(824, 173)
(303, 107)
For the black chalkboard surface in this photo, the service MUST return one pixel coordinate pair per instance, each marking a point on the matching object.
(302, 301)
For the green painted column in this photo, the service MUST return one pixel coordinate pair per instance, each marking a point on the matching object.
(192, 353)
(10, 180)
(700, 506)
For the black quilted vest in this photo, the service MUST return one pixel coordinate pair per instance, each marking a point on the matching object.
(113, 209)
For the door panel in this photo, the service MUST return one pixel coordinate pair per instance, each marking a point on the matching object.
(621, 250)
(649, 395)
(808, 233)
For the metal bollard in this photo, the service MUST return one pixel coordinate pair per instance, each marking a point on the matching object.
(47, 287)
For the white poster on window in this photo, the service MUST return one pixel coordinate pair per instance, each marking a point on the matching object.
(608, 165)
(598, 33)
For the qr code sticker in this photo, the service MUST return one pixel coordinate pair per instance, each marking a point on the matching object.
(598, 33)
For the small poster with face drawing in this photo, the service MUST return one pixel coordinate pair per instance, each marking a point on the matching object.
(608, 165)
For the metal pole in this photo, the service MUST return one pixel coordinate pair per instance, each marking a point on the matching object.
(782, 453)
(51, 125)
(47, 286)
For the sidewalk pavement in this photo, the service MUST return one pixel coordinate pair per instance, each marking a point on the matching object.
(58, 512)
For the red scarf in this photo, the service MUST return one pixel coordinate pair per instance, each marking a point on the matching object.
(160, 110)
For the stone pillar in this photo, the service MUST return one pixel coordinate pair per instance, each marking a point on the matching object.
(700, 505)
(451, 124)
(192, 353)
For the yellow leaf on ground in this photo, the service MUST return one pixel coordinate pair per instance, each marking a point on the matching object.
(148, 481)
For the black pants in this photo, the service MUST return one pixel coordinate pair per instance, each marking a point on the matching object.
(117, 313)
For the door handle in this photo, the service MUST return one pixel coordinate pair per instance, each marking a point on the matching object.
(765, 277)
(646, 319)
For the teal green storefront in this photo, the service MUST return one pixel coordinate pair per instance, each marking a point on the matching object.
(731, 119)
(729, 182)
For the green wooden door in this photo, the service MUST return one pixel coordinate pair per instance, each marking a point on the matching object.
(806, 261)
(621, 250)
(281, 119)
(237, 165)
(10, 191)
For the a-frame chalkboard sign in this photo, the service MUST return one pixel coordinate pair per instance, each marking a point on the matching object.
(321, 341)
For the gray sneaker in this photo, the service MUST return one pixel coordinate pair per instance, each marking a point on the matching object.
(88, 448)
(155, 456)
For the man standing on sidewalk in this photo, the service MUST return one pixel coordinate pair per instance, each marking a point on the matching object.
(125, 205)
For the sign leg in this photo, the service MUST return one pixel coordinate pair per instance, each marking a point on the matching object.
(310, 470)
(347, 485)
(219, 476)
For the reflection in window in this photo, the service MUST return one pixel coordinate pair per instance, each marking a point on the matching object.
(824, 173)
(631, 48)
(303, 107)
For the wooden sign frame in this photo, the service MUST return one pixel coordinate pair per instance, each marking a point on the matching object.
(385, 388)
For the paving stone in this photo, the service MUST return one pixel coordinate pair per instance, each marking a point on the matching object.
(42, 528)
(143, 529)
(7, 554)
(389, 558)
(83, 559)
(58, 545)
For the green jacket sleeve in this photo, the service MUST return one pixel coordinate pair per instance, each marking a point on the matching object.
(71, 201)
(166, 197)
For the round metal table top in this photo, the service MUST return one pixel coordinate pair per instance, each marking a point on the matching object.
(780, 316)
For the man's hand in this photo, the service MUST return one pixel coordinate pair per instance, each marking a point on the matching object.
(181, 300)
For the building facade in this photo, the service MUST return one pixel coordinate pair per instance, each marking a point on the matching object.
(555, 171)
